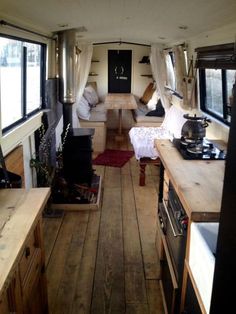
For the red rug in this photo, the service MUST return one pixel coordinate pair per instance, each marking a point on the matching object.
(113, 158)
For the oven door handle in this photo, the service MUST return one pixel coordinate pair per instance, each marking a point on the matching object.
(171, 224)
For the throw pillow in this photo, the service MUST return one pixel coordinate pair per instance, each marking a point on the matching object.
(147, 95)
(153, 101)
(91, 95)
(158, 112)
(83, 109)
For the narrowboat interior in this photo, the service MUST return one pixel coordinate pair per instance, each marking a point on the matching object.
(117, 156)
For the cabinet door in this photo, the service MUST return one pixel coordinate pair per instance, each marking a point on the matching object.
(4, 306)
(34, 291)
(33, 302)
(11, 301)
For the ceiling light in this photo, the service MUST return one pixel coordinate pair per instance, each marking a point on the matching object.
(160, 37)
(184, 27)
(63, 25)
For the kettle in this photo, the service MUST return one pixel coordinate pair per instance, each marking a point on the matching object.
(194, 128)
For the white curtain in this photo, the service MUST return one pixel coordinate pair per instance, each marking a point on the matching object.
(159, 73)
(82, 71)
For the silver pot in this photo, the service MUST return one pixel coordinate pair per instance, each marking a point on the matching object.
(194, 128)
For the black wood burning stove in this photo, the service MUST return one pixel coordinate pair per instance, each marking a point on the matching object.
(77, 151)
(77, 156)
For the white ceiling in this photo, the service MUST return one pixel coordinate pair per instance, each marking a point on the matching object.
(143, 21)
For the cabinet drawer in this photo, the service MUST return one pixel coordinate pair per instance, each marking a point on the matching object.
(165, 191)
(27, 255)
(32, 273)
(166, 178)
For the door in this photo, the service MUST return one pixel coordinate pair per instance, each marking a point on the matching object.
(119, 71)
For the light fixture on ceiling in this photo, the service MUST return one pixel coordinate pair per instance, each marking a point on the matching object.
(162, 38)
(63, 25)
(183, 27)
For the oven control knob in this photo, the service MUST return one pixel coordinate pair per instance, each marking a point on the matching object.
(178, 214)
(184, 222)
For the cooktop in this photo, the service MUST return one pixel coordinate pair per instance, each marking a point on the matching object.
(203, 149)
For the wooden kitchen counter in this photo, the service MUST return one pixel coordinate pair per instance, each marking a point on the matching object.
(20, 211)
(198, 183)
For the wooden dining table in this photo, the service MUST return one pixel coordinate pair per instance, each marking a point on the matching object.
(120, 101)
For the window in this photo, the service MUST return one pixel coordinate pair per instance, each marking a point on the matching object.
(176, 68)
(22, 66)
(217, 74)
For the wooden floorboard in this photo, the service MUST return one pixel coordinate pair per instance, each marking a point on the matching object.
(84, 287)
(105, 261)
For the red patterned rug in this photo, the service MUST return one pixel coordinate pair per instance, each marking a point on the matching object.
(113, 158)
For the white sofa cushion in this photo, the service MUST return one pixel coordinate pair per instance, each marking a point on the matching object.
(83, 109)
(91, 95)
(153, 101)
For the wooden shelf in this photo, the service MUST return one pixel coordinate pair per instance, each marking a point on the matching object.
(147, 75)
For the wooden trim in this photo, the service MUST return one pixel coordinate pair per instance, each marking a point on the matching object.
(200, 302)
(172, 273)
(15, 162)
(163, 298)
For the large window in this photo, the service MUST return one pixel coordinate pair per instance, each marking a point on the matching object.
(217, 74)
(22, 69)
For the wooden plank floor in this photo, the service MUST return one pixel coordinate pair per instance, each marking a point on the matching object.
(105, 261)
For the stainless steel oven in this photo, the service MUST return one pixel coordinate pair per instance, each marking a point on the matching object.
(174, 223)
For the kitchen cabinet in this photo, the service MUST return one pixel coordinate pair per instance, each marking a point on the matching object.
(4, 304)
(198, 187)
(23, 287)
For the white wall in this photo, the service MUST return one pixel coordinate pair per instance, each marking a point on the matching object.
(138, 82)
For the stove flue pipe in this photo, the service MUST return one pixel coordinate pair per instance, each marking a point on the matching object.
(67, 63)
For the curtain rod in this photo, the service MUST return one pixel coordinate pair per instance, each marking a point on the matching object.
(4, 23)
(170, 48)
(120, 42)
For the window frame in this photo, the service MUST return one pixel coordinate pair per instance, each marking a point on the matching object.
(171, 53)
(26, 116)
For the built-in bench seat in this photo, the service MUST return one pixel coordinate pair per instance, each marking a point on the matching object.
(92, 114)
(97, 120)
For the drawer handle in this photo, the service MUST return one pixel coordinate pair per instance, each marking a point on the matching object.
(27, 252)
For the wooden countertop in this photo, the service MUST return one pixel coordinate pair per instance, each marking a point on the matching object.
(19, 212)
(198, 183)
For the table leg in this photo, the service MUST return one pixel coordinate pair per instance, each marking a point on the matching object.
(120, 121)
(120, 137)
